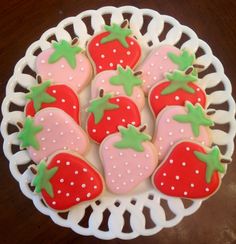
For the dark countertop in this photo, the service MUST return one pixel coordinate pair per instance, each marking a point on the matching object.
(22, 22)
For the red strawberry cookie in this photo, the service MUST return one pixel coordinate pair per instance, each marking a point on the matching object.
(189, 171)
(178, 88)
(114, 46)
(51, 130)
(65, 63)
(121, 82)
(128, 158)
(66, 180)
(107, 113)
(49, 95)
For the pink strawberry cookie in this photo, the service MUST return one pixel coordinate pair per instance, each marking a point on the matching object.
(51, 130)
(176, 123)
(121, 82)
(65, 63)
(128, 158)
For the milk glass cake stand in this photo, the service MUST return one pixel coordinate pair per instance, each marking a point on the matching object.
(107, 216)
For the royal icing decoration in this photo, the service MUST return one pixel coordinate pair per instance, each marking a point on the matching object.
(189, 171)
(113, 47)
(47, 95)
(177, 123)
(66, 180)
(178, 88)
(161, 60)
(120, 82)
(65, 63)
(128, 158)
(49, 131)
(107, 113)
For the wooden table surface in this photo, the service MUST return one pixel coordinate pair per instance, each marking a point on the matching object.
(22, 22)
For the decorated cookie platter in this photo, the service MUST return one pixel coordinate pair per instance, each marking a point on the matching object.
(100, 149)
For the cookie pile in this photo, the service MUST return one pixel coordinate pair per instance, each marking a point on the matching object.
(177, 156)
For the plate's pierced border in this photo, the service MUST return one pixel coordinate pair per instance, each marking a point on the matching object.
(134, 205)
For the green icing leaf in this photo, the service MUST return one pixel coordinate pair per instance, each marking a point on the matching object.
(28, 134)
(212, 160)
(116, 33)
(39, 95)
(132, 138)
(64, 49)
(195, 116)
(100, 105)
(184, 60)
(42, 179)
(179, 80)
(126, 79)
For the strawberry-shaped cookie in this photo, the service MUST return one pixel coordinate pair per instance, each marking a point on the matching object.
(114, 46)
(163, 59)
(175, 90)
(120, 82)
(128, 158)
(65, 63)
(107, 113)
(189, 171)
(48, 95)
(66, 180)
(50, 130)
(176, 123)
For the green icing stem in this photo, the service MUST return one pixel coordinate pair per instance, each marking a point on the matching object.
(64, 49)
(100, 105)
(195, 116)
(132, 138)
(39, 95)
(42, 179)
(116, 33)
(184, 60)
(212, 160)
(126, 79)
(27, 135)
(179, 80)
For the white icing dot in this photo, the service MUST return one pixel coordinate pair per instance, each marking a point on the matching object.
(139, 166)
(183, 163)
(111, 157)
(76, 172)
(171, 161)
(70, 77)
(42, 61)
(119, 175)
(53, 141)
(43, 139)
(42, 119)
(59, 192)
(165, 57)
(88, 194)
(78, 138)
(191, 138)
(162, 183)
(72, 183)
(139, 95)
(97, 44)
(160, 139)
(203, 143)
(147, 155)
(67, 194)
(170, 133)
(185, 193)
(66, 148)
(111, 64)
(123, 120)
(95, 187)
(114, 166)
(81, 60)
(61, 180)
(187, 149)
(148, 73)
(199, 99)
(62, 133)
(102, 81)
(198, 89)
(121, 61)
(109, 173)
(112, 181)
(197, 171)
(91, 178)
(56, 123)
(164, 174)
(66, 121)
(108, 118)
(49, 74)
(48, 129)
(50, 114)
(71, 131)
(114, 50)
(126, 163)
(176, 98)
(128, 171)
(146, 167)
(161, 67)
(107, 132)
(135, 155)
(131, 43)
(128, 107)
(133, 123)
(152, 64)
(44, 148)
(93, 130)
(62, 66)
(77, 199)
(140, 174)
(85, 169)
(157, 53)
(106, 147)
(83, 185)
(117, 188)
(58, 161)
(192, 185)
(156, 97)
(102, 56)
(72, 143)
(100, 66)
(177, 177)
(124, 183)
(171, 143)
(128, 52)
(154, 78)
(82, 68)
(67, 163)
(131, 180)
(53, 203)
(117, 93)
(63, 100)
(172, 188)
(121, 153)
(181, 130)
(160, 147)
(168, 120)
(207, 189)
(117, 99)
